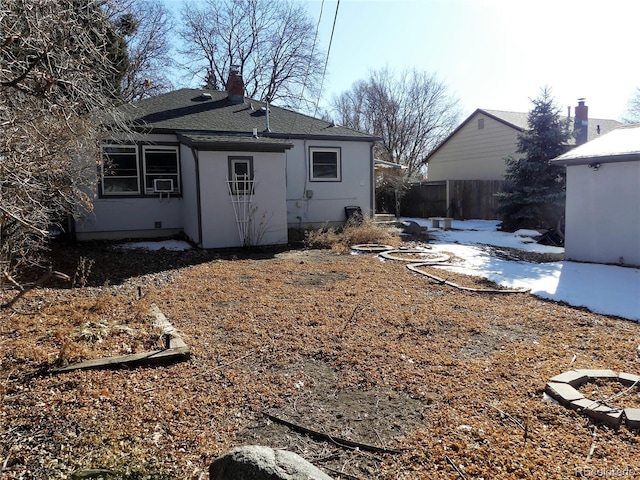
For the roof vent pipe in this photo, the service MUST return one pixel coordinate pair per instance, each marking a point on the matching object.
(268, 125)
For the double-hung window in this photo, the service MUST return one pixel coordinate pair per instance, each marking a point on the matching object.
(241, 175)
(161, 169)
(324, 164)
(120, 170)
(140, 170)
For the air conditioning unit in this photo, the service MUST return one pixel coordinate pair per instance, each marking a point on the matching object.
(163, 185)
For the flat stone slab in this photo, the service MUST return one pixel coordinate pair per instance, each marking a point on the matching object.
(563, 392)
(628, 378)
(581, 404)
(563, 388)
(572, 377)
(612, 416)
(593, 374)
(632, 418)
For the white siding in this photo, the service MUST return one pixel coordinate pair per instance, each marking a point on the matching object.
(326, 201)
(134, 217)
(130, 218)
(190, 220)
(219, 226)
(473, 153)
(603, 213)
(284, 195)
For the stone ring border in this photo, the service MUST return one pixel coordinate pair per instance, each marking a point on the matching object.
(564, 389)
(437, 258)
(371, 248)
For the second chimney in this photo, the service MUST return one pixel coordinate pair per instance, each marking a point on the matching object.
(235, 85)
(581, 122)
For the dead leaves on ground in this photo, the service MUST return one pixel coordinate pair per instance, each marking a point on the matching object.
(305, 336)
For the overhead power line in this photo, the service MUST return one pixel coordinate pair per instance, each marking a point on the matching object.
(326, 62)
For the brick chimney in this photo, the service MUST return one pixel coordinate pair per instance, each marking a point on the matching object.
(581, 122)
(235, 85)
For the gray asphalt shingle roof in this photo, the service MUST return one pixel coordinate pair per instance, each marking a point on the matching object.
(211, 112)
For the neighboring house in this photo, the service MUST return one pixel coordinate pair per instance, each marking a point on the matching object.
(227, 171)
(475, 151)
(602, 217)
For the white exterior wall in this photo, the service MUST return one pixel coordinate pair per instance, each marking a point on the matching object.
(117, 218)
(189, 195)
(328, 199)
(134, 217)
(282, 180)
(603, 213)
(473, 153)
(219, 225)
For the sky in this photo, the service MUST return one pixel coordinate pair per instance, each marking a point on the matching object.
(605, 289)
(492, 54)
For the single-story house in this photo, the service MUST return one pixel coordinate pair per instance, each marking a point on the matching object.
(475, 152)
(227, 171)
(602, 217)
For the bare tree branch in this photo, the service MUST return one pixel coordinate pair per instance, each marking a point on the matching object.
(60, 68)
(412, 112)
(271, 42)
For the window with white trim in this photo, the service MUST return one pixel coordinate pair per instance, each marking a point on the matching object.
(241, 175)
(161, 169)
(120, 170)
(140, 170)
(324, 164)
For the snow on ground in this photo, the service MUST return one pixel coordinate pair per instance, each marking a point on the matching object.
(604, 289)
(173, 245)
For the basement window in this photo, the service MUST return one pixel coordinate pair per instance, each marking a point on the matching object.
(325, 164)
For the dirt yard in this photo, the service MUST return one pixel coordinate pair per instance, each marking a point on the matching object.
(428, 381)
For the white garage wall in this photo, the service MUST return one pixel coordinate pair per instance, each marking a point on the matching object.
(603, 213)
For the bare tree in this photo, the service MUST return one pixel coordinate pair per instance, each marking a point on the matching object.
(147, 26)
(413, 113)
(272, 42)
(60, 62)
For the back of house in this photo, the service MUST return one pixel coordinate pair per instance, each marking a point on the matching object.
(226, 171)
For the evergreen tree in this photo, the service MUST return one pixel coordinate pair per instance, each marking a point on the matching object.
(535, 193)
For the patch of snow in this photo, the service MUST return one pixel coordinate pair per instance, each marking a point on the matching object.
(173, 245)
(605, 289)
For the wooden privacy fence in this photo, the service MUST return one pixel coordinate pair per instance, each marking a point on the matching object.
(459, 199)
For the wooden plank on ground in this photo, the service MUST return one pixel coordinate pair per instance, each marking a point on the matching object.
(177, 351)
(155, 357)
